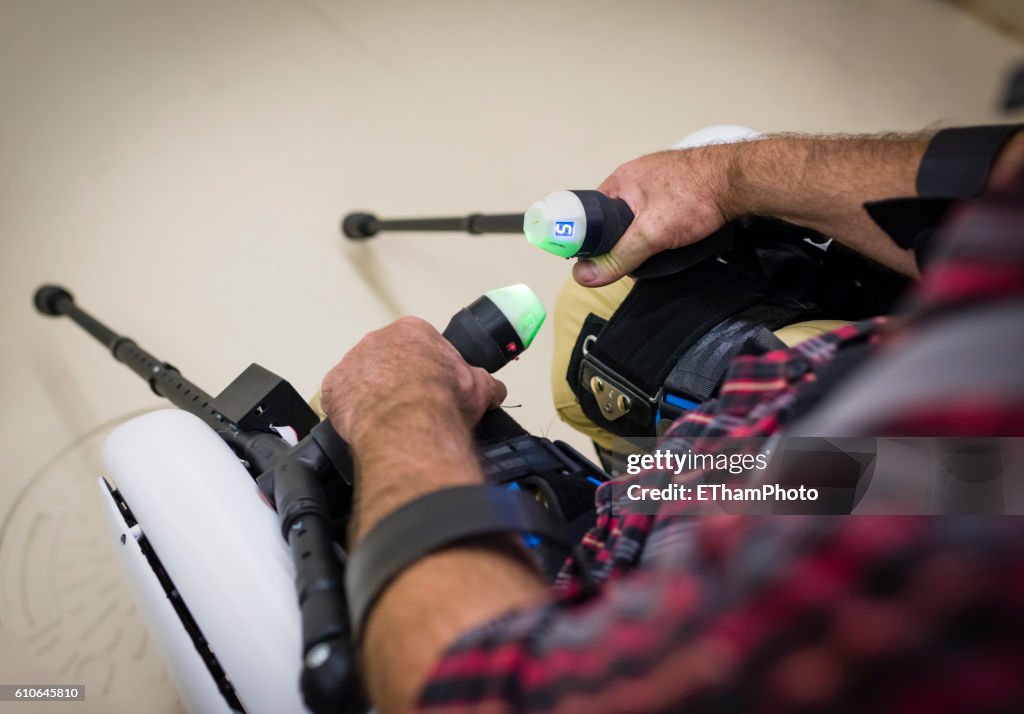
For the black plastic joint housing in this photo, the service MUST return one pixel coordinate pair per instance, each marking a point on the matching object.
(483, 335)
(607, 220)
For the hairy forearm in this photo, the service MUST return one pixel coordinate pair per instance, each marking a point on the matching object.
(682, 196)
(422, 439)
(822, 183)
(430, 604)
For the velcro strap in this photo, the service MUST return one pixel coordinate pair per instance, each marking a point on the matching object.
(432, 522)
(699, 371)
(958, 161)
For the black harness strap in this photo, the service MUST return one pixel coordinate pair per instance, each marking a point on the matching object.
(910, 220)
(634, 352)
(649, 331)
(699, 371)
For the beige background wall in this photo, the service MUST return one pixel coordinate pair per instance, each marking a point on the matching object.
(181, 167)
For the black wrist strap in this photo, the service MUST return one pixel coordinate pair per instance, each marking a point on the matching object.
(431, 523)
(958, 161)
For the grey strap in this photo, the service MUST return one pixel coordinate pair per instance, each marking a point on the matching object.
(432, 522)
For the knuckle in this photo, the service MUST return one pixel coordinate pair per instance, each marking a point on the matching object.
(328, 380)
(465, 380)
(327, 392)
(408, 322)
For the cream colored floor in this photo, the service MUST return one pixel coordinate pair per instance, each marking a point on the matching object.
(181, 167)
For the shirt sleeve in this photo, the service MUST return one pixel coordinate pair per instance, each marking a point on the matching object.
(778, 614)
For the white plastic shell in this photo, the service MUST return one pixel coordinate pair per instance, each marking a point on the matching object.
(221, 545)
(544, 220)
(196, 688)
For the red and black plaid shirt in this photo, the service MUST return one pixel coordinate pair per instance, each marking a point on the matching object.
(789, 613)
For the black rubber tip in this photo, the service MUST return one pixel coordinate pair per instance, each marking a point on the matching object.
(47, 297)
(359, 226)
(333, 685)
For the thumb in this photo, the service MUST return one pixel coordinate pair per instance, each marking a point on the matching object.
(626, 256)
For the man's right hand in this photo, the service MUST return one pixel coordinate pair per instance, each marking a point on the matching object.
(678, 197)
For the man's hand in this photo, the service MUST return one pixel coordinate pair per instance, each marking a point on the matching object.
(677, 198)
(404, 400)
(684, 195)
(399, 371)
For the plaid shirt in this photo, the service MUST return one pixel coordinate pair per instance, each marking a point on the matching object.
(788, 613)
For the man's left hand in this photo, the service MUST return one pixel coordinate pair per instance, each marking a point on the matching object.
(405, 367)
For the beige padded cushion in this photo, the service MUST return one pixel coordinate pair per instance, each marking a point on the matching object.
(801, 331)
